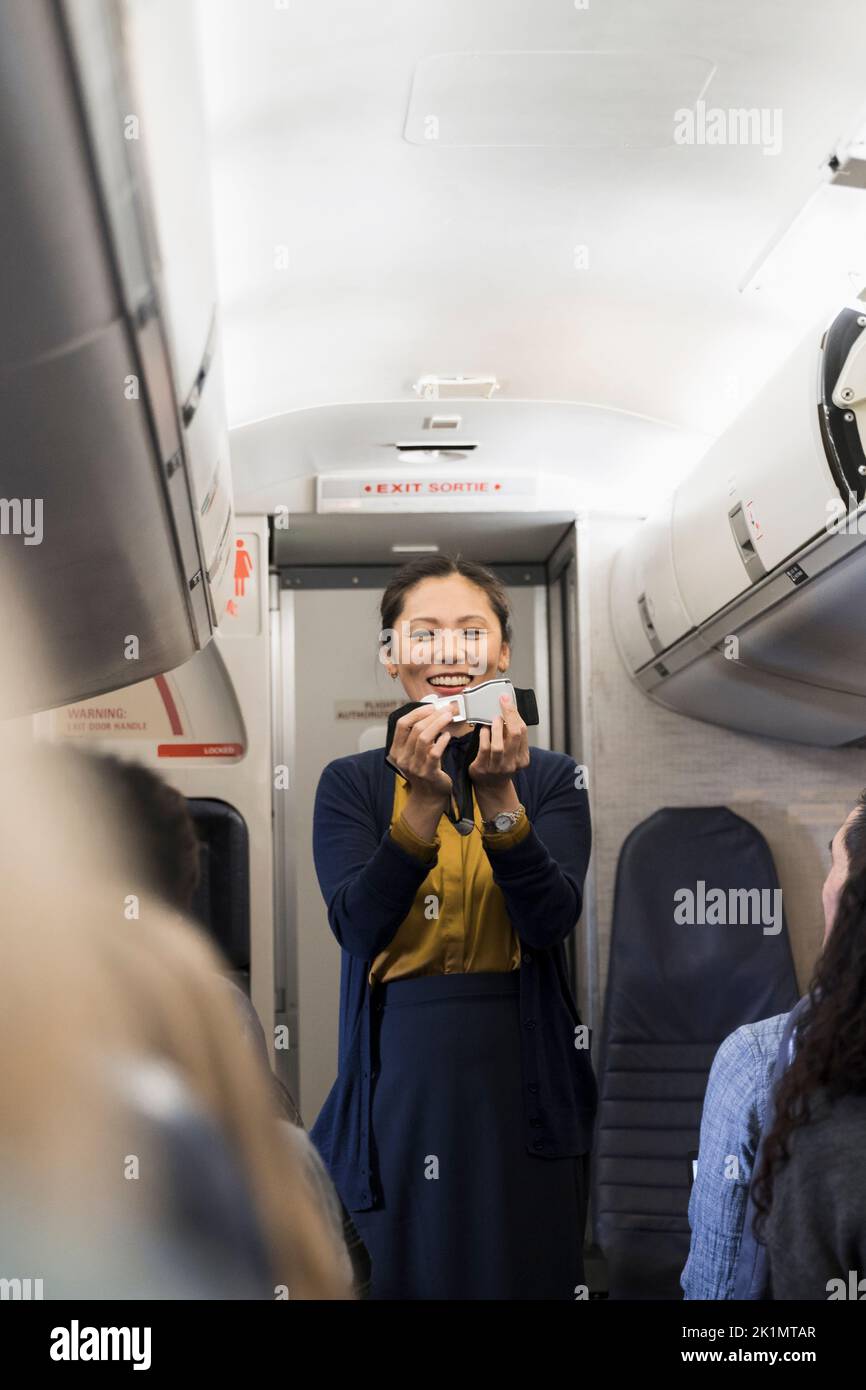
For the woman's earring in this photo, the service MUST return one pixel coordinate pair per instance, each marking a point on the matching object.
(393, 675)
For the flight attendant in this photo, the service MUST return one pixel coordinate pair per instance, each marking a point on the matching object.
(459, 1127)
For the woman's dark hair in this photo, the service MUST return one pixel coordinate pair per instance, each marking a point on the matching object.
(162, 829)
(158, 831)
(439, 567)
(831, 1040)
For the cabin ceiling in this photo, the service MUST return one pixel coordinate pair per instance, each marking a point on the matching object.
(405, 256)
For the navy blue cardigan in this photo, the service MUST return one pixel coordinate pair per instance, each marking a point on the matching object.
(369, 884)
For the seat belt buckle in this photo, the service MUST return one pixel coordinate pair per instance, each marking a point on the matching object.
(441, 701)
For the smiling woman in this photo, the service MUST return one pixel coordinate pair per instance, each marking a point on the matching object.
(458, 1064)
(439, 645)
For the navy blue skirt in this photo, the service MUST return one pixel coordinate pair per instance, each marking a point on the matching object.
(467, 1212)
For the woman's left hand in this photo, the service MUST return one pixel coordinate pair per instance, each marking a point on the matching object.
(502, 750)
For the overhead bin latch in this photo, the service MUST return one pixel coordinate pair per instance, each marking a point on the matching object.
(842, 409)
(648, 624)
(849, 390)
(742, 534)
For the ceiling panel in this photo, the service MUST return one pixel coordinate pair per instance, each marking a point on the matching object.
(487, 538)
(353, 261)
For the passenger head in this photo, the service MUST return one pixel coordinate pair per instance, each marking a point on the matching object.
(444, 617)
(83, 990)
(830, 1060)
(168, 976)
(847, 859)
(155, 848)
(157, 819)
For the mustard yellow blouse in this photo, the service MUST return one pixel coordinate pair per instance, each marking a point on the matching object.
(458, 922)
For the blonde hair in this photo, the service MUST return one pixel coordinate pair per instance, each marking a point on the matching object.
(181, 1011)
(81, 982)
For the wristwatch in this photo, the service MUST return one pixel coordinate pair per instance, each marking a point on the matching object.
(506, 820)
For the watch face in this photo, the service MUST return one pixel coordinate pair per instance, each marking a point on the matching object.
(502, 821)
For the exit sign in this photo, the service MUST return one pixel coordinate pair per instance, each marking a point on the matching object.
(447, 492)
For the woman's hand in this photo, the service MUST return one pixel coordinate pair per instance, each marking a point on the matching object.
(502, 750)
(420, 739)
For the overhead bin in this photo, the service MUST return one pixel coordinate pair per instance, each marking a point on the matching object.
(162, 52)
(822, 630)
(645, 593)
(766, 545)
(758, 495)
(126, 577)
(754, 701)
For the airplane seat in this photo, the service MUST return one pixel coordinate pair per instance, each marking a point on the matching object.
(222, 899)
(682, 976)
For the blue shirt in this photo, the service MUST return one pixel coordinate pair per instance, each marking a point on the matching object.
(369, 883)
(735, 1110)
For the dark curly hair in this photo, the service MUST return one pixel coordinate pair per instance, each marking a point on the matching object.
(158, 834)
(163, 831)
(831, 1040)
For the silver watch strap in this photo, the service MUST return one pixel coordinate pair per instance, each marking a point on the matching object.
(491, 828)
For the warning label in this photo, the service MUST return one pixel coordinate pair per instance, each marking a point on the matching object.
(145, 711)
(200, 750)
(101, 719)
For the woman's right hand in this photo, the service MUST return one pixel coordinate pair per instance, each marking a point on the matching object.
(420, 739)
